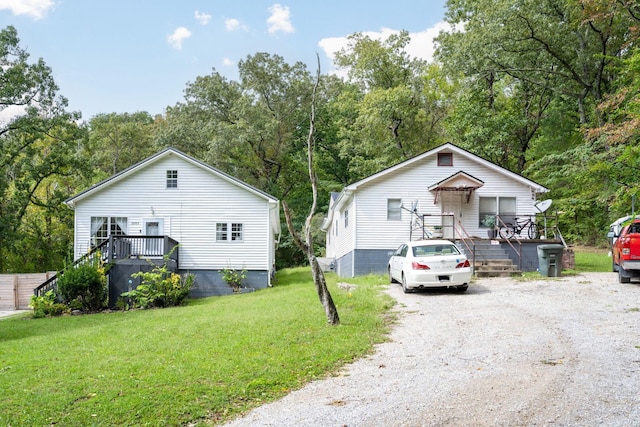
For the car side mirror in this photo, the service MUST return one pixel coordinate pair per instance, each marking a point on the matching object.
(611, 234)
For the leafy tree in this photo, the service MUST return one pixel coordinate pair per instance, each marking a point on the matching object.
(38, 142)
(118, 141)
(396, 113)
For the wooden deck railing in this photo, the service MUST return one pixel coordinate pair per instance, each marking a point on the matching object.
(118, 248)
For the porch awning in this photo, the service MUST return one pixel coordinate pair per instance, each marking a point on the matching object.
(460, 181)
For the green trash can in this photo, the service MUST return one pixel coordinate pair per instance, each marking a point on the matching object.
(550, 260)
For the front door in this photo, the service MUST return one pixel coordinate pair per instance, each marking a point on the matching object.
(153, 227)
(451, 212)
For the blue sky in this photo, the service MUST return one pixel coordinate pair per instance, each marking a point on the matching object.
(138, 55)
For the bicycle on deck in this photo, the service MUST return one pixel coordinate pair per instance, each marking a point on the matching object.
(508, 230)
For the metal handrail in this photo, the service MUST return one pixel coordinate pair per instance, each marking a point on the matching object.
(518, 252)
(464, 236)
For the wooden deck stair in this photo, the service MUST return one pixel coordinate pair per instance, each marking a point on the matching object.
(492, 261)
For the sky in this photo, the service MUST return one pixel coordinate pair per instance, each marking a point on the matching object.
(125, 56)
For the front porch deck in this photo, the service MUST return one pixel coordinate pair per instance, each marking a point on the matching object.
(131, 251)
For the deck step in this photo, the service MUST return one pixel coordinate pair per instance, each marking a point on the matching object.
(497, 273)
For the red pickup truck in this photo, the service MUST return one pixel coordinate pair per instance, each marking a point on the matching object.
(625, 251)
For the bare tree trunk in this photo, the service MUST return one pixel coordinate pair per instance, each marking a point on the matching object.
(307, 245)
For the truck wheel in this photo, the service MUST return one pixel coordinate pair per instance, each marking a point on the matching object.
(622, 277)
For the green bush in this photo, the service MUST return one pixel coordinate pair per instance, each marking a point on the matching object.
(233, 278)
(160, 288)
(46, 305)
(84, 286)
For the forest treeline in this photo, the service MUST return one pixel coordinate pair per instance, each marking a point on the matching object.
(546, 88)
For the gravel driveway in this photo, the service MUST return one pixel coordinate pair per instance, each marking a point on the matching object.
(557, 352)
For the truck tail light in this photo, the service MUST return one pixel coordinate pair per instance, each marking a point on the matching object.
(464, 264)
(419, 266)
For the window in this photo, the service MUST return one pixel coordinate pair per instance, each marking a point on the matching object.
(503, 206)
(346, 218)
(236, 232)
(172, 179)
(488, 207)
(445, 159)
(336, 227)
(221, 231)
(103, 226)
(394, 209)
(507, 209)
(223, 235)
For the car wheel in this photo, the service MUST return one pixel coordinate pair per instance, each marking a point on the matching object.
(405, 289)
(391, 279)
(462, 288)
(622, 277)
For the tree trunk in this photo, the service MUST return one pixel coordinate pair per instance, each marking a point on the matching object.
(323, 293)
(307, 246)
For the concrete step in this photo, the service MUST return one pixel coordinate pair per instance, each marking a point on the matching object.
(500, 273)
(494, 262)
(495, 268)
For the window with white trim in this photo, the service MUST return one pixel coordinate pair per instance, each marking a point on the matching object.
(394, 209)
(236, 232)
(503, 206)
(445, 159)
(172, 179)
(229, 232)
(346, 218)
(104, 226)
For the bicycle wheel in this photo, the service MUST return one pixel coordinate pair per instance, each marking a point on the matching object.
(533, 231)
(506, 231)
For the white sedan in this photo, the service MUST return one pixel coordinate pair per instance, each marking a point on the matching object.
(430, 263)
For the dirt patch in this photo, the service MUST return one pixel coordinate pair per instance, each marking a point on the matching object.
(563, 351)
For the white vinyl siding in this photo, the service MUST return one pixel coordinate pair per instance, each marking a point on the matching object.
(172, 178)
(409, 184)
(190, 215)
(394, 209)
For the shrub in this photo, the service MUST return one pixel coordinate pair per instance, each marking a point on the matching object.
(46, 305)
(84, 286)
(233, 278)
(160, 288)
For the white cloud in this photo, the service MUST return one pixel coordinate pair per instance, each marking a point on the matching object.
(421, 45)
(178, 36)
(232, 24)
(228, 62)
(37, 9)
(7, 114)
(202, 18)
(280, 19)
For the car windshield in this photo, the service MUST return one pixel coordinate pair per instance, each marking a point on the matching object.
(433, 250)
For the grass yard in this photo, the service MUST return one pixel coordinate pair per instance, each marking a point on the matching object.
(590, 259)
(198, 365)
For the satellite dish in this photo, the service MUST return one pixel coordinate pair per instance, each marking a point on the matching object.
(543, 205)
(414, 206)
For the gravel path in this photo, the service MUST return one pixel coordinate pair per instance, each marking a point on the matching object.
(557, 352)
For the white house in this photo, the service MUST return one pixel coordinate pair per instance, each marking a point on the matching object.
(445, 192)
(171, 199)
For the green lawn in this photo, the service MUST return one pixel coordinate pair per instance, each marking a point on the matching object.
(592, 260)
(199, 364)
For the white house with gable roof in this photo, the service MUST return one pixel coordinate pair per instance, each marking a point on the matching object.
(445, 192)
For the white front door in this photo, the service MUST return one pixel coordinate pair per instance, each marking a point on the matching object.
(451, 211)
(153, 227)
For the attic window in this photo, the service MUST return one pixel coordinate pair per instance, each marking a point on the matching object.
(445, 159)
(172, 179)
